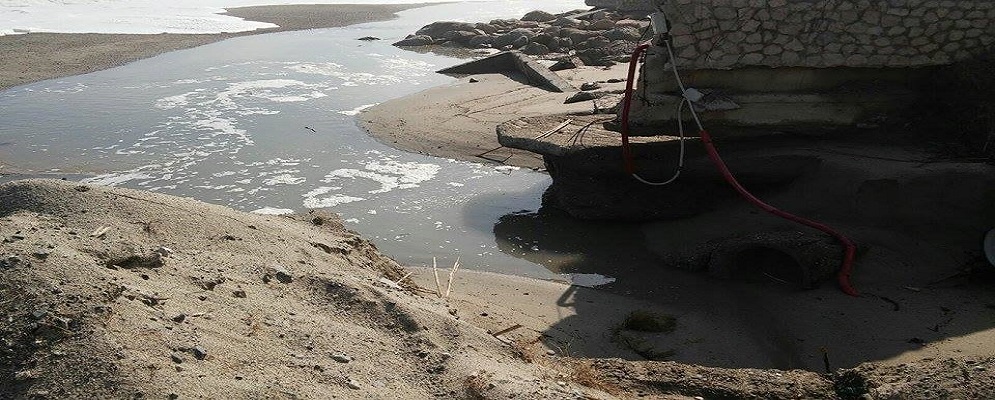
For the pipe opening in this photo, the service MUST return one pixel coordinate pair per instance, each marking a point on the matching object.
(763, 264)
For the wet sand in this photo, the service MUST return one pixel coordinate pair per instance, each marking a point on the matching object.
(35, 57)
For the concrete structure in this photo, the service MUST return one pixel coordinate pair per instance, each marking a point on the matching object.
(513, 62)
(771, 71)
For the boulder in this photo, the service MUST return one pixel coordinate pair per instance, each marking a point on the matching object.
(590, 86)
(439, 29)
(513, 36)
(461, 37)
(594, 56)
(566, 63)
(503, 22)
(583, 96)
(600, 25)
(481, 41)
(486, 28)
(596, 42)
(538, 16)
(565, 22)
(576, 35)
(415, 40)
(564, 43)
(631, 23)
(535, 49)
(544, 39)
(522, 41)
(623, 33)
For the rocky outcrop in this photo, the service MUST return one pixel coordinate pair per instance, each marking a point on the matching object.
(594, 37)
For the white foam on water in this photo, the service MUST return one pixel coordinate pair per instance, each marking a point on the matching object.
(317, 198)
(114, 179)
(390, 174)
(357, 110)
(273, 211)
(284, 179)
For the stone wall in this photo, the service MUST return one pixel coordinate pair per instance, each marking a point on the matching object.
(623, 5)
(727, 34)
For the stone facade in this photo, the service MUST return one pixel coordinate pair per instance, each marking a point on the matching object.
(623, 5)
(728, 34)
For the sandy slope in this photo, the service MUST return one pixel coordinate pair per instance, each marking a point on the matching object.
(243, 306)
(249, 306)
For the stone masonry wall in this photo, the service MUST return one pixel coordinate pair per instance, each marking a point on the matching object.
(727, 34)
(624, 5)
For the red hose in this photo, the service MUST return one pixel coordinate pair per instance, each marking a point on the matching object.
(849, 248)
(630, 167)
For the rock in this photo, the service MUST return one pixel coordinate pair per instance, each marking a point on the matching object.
(583, 96)
(631, 23)
(239, 293)
(9, 261)
(164, 251)
(486, 28)
(416, 40)
(279, 273)
(567, 22)
(615, 80)
(566, 63)
(368, 38)
(504, 22)
(623, 33)
(176, 358)
(538, 16)
(595, 56)
(576, 35)
(41, 254)
(473, 80)
(461, 37)
(590, 86)
(132, 261)
(199, 352)
(600, 25)
(522, 41)
(596, 42)
(514, 35)
(342, 358)
(439, 29)
(353, 384)
(564, 43)
(481, 41)
(544, 39)
(179, 318)
(535, 49)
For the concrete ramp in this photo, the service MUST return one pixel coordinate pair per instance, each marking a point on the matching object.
(513, 61)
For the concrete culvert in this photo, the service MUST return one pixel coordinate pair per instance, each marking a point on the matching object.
(799, 259)
(765, 264)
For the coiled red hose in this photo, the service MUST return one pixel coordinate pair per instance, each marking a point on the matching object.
(849, 248)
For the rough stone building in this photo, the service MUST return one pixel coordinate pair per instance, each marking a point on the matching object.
(806, 61)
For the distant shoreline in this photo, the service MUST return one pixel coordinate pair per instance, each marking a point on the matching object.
(34, 57)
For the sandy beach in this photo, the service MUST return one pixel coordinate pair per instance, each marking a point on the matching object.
(115, 293)
(34, 57)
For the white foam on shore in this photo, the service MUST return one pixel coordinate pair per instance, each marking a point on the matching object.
(357, 110)
(389, 174)
(273, 211)
(319, 198)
